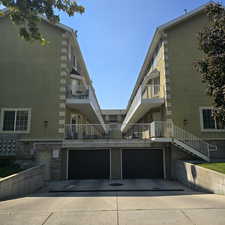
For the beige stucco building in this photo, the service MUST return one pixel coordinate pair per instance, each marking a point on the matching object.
(50, 114)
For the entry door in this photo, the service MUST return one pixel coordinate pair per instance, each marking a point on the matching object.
(142, 163)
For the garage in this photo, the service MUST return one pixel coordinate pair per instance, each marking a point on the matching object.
(88, 164)
(142, 163)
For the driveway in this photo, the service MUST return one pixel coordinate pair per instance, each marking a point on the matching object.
(185, 207)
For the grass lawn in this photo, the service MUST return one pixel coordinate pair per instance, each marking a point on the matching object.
(219, 167)
(9, 170)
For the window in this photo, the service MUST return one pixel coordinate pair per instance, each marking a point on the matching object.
(15, 120)
(208, 122)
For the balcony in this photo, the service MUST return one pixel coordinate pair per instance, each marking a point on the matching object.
(147, 97)
(86, 102)
(91, 135)
(141, 131)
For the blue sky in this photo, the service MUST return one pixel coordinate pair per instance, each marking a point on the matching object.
(114, 37)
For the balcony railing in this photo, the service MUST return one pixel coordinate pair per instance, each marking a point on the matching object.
(84, 131)
(144, 93)
(78, 94)
(152, 131)
(93, 131)
(151, 91)
(89, 94)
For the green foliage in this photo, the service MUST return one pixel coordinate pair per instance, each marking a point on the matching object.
(25, 14)
(219, 167)
(212, 65)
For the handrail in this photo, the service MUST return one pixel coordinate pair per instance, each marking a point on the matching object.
(173, 131)
(91, 96)
(156, 129)
(151, 90)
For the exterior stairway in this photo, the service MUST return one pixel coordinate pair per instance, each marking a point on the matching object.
(183, 139)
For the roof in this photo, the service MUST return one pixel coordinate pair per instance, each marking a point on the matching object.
(157, 36)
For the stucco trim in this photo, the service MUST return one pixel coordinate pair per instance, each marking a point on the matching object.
(62, 114)
(63, 74)
(62, 89)
(61, 130)
(61, 122)
(62, 105)
(63, 81)
(64, 60)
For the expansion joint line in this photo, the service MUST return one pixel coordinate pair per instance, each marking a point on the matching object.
(117, 210)
(187, 217)
(47, 218)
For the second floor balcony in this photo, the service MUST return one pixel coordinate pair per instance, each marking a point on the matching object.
(147, 97)
(91, 135)
(86, 102)
(113, 131)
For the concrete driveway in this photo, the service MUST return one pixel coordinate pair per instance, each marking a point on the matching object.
(115, 208)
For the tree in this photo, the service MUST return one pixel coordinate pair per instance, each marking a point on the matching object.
(26, 14)
(211, 66)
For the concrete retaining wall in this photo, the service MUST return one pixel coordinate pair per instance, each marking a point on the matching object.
(22, 183)
(200, 178)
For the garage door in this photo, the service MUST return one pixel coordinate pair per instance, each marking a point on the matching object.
(88, 164)
(142, 163)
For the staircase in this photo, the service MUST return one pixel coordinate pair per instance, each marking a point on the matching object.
(183, 139)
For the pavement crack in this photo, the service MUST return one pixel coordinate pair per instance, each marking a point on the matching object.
(187, 217)
(47, 218)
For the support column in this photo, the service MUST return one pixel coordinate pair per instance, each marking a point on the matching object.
(116, 163)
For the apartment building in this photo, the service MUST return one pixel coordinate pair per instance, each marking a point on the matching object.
(42, 89)
(170, 96)
(50, 114)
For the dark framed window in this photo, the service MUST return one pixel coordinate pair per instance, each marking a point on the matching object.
(15, 120)
(208, 122)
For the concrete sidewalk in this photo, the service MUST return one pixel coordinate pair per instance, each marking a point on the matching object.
(115, 208)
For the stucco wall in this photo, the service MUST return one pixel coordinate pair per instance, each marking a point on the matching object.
(187, 91)
(30, 77)
(200, 178)
(22, 183)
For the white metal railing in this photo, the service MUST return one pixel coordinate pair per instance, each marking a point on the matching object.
(151, 91)
(168, 129)
(138, 131)
(144, 92)
(95, 105)
(84, 94)
(136, 101)
(113, 131)
(90, 95)
(84, 131)
(156, 129)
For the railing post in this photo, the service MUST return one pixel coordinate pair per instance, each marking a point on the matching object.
(208, 147)
(170, 129)
(153, 129)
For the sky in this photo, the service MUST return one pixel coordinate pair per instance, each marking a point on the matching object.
(114, 36)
